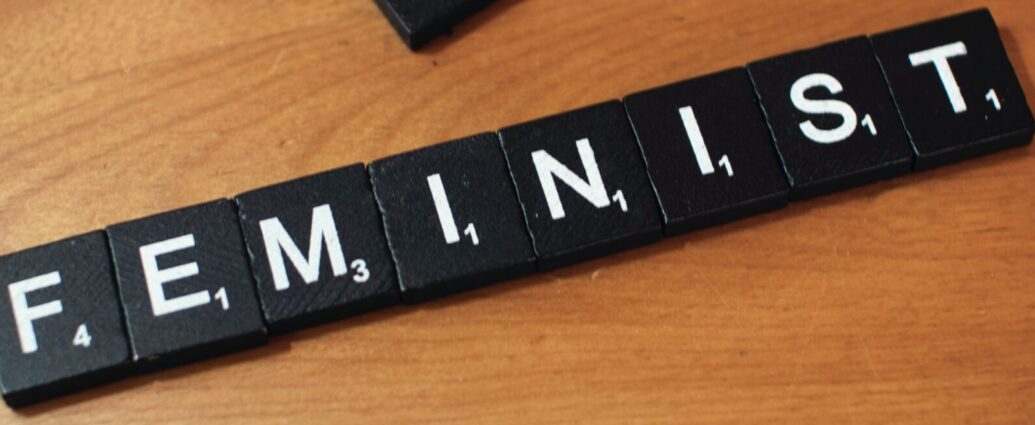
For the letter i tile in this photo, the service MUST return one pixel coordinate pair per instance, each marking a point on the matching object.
(452, 218)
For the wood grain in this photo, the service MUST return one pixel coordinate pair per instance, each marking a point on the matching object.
(910, 301)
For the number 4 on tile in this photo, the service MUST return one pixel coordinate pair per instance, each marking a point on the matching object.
(82, 336)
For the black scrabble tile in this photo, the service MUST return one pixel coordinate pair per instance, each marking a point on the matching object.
(452, 217)
(832, 117)
(60, 321)
(955, 88)
(185, 285)
(708, 151)
(317, 249)
(419, 21)
(582, 184)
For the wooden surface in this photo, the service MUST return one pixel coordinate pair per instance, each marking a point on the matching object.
(910, 301)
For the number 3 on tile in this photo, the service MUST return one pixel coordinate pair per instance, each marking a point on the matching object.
(362, 273)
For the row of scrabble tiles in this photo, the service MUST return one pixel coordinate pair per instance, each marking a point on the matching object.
(215, 278)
